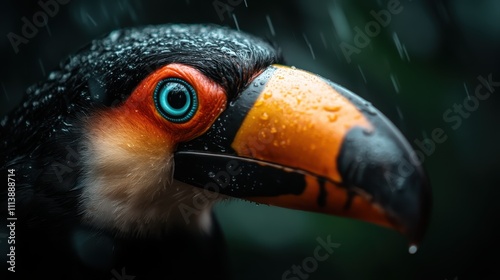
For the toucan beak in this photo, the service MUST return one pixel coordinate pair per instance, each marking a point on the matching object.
(296, 140)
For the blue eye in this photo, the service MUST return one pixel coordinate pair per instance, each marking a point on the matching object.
(175, 100)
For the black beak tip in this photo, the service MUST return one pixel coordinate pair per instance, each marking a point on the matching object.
(380, 164)
(412, 206)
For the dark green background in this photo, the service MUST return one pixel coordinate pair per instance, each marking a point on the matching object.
(449, 44)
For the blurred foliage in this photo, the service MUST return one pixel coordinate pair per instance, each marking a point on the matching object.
(424, 61)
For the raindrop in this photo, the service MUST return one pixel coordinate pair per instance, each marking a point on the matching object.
(399, 113)
(5, 92)
(399, 47)
(263, 135)
(406, 53)
(41, 66)
(332, 108)
(395, 83)
(228, 51)
(270, 25)
(332, 118)
(340, 22)
(367, 132)
(323, 40)
(258, 103)
(211, 174)
(467, 91)
(264, 117)
(65, 77)
(91, 19)
(370, 109)
(413, 249)
(236, 22)
(362, 73)
(268, 94)
(309, 45)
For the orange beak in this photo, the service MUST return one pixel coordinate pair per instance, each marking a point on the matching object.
(296, 140)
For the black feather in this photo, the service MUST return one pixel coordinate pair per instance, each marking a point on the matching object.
(40, 138)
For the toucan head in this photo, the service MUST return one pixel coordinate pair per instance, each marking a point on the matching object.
(180, 113)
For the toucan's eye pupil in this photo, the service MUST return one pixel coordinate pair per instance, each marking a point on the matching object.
(175, 100)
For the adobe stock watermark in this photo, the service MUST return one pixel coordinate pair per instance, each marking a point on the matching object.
(211, 191)
(362, 38)
(226, 6)
(310, 264)
(70, 164)
(30, 28)
(121, 276)
(454, 116)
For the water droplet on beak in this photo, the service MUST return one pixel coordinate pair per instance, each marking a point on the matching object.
(332, 108)
(267, 94)
(258, 103)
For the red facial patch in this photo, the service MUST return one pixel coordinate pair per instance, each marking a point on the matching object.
(140, 105)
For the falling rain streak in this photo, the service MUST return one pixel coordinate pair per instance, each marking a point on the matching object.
(395, 83)
(41, 66)
(467, 91)
(91, 19)
(131, 12)
(362, 73)
(5, 92)
(309, 45)
(323, 40)
(400, 47)
(236, 22)
(400, 113)
(270, 25)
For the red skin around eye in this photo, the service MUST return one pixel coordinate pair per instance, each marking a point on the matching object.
(211, 102)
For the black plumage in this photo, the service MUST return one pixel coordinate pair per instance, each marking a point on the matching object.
(40, 140)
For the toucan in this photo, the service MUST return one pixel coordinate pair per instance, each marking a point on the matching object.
(120, 153)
